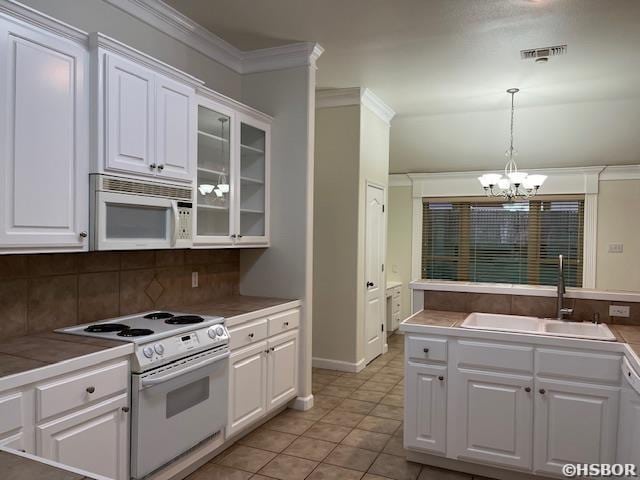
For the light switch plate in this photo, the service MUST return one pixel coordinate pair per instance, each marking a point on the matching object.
(616, 248)
(618, 311)
(194, 279)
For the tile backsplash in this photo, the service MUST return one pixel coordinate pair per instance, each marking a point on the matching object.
(43, 292)
(583, 309)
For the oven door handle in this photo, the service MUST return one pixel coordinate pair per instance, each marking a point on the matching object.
(149, 382)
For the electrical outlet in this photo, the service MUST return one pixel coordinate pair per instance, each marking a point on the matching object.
(618, 311)
(194, 279)
(616, 248)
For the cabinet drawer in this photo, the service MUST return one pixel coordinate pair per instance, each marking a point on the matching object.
(81, 388)
(10, 412)
(247, 333)
(396, 292)
(427, 348)
(494, 356)
(282, 322)
(395, 307)
(578, 365)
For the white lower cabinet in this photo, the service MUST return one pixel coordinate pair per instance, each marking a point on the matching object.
(94, 439)
(495, 408)
(263, 375)
(574, 424)
(247, 386)
(426, 403)
(493, 417)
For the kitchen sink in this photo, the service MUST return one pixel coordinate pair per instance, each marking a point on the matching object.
(537, 326)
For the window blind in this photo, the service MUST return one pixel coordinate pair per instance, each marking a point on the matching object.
(503, 242)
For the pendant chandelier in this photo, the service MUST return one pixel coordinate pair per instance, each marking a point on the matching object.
(514, 184)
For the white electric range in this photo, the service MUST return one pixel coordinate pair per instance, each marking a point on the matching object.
(179, 381)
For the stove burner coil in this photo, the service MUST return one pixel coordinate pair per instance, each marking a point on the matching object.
(135, 332)
(106, 328)
(184, 320)
(158, 315)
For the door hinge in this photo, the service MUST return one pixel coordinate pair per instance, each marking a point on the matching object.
(383, 267)
(382, 327)
(383, 208)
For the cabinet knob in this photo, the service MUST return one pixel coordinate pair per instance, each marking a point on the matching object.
(233, 236)
(160, 167)
(273, 349)
(83, 234)
(441, 378)
(425, 350)
(286, 324)
(152, 166)
(239, 236)
(527, 389)
(91, 389)
(542, 391)
(125, 409)
(266, 351)
(251, 335)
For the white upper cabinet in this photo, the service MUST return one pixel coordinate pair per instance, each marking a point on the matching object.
(130, 119)
(145, 115)
(43, 140)
(232, 180)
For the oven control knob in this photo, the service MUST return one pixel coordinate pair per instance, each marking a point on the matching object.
(159, 348)
(148, 352)
(220, 331)
(212, 333)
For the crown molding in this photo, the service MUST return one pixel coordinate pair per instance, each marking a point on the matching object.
(16, 10)
(99, 40)
(182, 28)
(278, 58)
(620, 172)
(377, 106)
(342, 97)
(399, 180)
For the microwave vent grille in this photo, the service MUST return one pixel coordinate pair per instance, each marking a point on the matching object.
(120, 185)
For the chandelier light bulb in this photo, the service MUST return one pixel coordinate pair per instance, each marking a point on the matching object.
(504, 183)
(537, 180)
(517, 178)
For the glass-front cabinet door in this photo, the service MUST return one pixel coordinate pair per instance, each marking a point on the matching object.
(253, 182)
(214, 189)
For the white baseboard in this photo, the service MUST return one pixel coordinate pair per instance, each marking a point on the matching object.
(385, 349)
(302, 403)
(338, 364)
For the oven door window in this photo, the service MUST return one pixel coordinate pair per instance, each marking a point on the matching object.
(187, 396)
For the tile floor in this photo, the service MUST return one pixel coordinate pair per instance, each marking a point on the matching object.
(353, 432)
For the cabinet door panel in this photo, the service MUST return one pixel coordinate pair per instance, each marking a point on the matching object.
(130, 117)
(426, 408)
(574, 424)
(494, 418)
(44, 140)
(175, 130)
(247, 386)
(94, 439)
(629, 429)
(283, 369)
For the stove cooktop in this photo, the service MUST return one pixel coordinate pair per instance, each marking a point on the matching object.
(143, 327)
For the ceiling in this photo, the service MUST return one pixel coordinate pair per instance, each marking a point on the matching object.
(444, 66)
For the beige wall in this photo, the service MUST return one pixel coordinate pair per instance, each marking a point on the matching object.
(337, 154)
(399, 242)
(618, 222)
(99, 16)
(374, 168)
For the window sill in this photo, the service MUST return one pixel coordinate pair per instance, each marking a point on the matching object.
(529, 290)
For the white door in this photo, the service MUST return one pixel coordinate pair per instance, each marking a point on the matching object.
(175, 127)
(94, 439)
(130, 117)
(374, 276)
(283, 369)
(43, 140)
(426, 408)
(493, 418)
(247, 386)
(575, 423)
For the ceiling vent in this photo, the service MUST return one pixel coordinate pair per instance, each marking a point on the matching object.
(543, 52)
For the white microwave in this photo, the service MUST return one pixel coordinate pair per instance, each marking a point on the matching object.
(129, 214)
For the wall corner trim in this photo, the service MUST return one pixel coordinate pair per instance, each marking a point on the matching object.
(182, 28)
(399, 180)
(620, 172)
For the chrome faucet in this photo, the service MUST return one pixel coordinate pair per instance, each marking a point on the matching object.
(561, 310)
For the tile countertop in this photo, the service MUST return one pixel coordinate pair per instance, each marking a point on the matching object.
(21, 466)
(629, 334)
